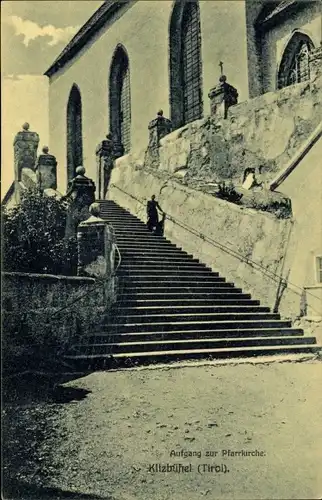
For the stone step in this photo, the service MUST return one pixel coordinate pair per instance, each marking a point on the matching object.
(99, 337)
(220, 290)
(123, 310)
(98, 361)
(186, 302)
(168, 271)
(153, 254)
(209, 324)
(175, 280)
(139, 319)
(149, 249)
(147, 245)
(162, 266)
(186, 344)
(183, 260)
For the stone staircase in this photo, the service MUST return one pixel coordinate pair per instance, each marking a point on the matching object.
(170, 307)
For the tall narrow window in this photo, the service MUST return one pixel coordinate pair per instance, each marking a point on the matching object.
(120, 100)
(185, 64)
(294, 67)
(74, 132)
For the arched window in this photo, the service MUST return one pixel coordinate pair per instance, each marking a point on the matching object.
(294, 67)
(185, 63)
(120, 100)
(74, 132)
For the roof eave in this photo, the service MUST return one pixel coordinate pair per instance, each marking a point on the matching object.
(64, 58)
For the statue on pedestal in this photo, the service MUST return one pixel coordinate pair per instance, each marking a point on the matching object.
(46, 168)
(80, 195)
(25, 150)
(105, 161)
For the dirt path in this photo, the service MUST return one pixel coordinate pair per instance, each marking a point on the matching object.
(104, 441)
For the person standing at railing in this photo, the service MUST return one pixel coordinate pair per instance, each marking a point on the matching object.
(152, 213)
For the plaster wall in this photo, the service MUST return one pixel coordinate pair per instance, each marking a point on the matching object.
(304, 187)
(143, 29)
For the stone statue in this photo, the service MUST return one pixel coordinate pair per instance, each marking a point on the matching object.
(222, 96)
(80, 195)
(46, 168)
(105, 162)
(25, 150)
(158, 128)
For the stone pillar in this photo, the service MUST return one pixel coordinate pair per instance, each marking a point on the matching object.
(46, 168)
(95, 239)
(158, 128)
(222, 96)
(315, 62)
(25, 150)
(105, 162)
(80, 195)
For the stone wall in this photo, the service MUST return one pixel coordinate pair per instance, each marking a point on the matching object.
(234, 235)
(43, 314)
(265, 131)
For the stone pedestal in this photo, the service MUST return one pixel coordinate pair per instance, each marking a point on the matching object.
(118, 148)
(217, 102)
(80, 195)
(158, 128)
(105, 161)
(95, 238)
(315, 61)
(25, 150)
(222, 97)
(46, 168)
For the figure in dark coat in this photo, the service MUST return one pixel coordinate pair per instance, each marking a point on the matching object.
(152, 213)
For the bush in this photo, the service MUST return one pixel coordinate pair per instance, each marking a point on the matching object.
(228, 193)
(33, 236)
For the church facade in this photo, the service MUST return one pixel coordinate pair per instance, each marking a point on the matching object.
(133, 58)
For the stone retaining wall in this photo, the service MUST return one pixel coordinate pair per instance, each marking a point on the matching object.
(36, 319)
(265, 131)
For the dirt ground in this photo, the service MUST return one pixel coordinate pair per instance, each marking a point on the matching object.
(100, 436)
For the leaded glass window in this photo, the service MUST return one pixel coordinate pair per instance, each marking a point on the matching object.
(295, 65)
(185, 63)
(120, 100)
(191, 64)
(74, 132)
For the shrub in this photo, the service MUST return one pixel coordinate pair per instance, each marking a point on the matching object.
(229, 193)
(33, 236)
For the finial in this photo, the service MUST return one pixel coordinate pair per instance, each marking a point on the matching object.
(221, 64)
(223, 78)
(26, 126)
(80, 170)
(45, 150)
(160, 112)
(109, 136)
(95, 209)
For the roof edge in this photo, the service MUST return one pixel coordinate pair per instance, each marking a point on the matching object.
(89, 29)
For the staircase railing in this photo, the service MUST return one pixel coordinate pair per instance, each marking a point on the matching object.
(277, 278)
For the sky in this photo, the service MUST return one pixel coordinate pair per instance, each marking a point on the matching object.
(33, 33)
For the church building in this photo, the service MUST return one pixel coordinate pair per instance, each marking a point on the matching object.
(134, 57)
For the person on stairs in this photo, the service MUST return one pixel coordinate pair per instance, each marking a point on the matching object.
(152, 213)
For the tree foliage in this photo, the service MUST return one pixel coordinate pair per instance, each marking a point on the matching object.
(33, 236)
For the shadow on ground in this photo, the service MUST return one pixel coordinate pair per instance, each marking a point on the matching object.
(24, 491)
